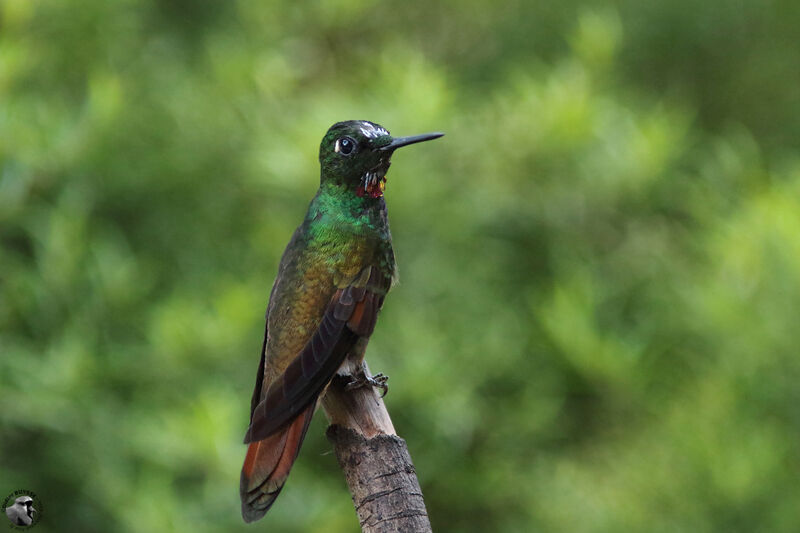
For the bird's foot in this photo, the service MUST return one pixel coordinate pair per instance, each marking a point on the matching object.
(378, 381)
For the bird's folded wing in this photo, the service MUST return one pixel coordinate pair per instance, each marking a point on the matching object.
(351, 313)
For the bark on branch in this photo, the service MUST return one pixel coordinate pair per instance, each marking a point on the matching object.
(375, 461)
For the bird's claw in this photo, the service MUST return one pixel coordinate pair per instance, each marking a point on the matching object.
(378, 381)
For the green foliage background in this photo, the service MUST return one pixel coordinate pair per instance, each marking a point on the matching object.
(596, 328)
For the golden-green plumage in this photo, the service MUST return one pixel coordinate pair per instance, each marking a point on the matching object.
(337, 240)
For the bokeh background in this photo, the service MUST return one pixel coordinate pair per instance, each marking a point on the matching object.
(597, 324)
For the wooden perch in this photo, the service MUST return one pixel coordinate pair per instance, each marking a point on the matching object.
(375, 461)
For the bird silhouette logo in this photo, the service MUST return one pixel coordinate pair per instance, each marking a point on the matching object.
(20, 509)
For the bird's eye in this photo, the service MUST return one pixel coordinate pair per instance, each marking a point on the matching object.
(345, 146)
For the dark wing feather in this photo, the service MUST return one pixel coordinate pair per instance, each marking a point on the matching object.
(352, 313)
(259, 376)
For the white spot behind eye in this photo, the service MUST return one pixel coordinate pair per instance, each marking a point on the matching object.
(336, 146)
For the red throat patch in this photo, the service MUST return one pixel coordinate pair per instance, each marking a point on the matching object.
(373, 190)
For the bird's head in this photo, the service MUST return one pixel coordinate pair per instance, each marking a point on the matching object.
(26, 502)
(357, 154)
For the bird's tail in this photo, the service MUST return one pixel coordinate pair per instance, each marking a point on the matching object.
(268, 463)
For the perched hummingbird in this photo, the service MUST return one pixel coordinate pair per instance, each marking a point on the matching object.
(332, 279)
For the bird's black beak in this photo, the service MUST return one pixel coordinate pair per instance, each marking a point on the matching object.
(397, 142)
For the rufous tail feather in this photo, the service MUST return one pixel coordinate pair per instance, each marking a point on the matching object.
(268, 463)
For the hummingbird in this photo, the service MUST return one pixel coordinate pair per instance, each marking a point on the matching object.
(332, 280)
